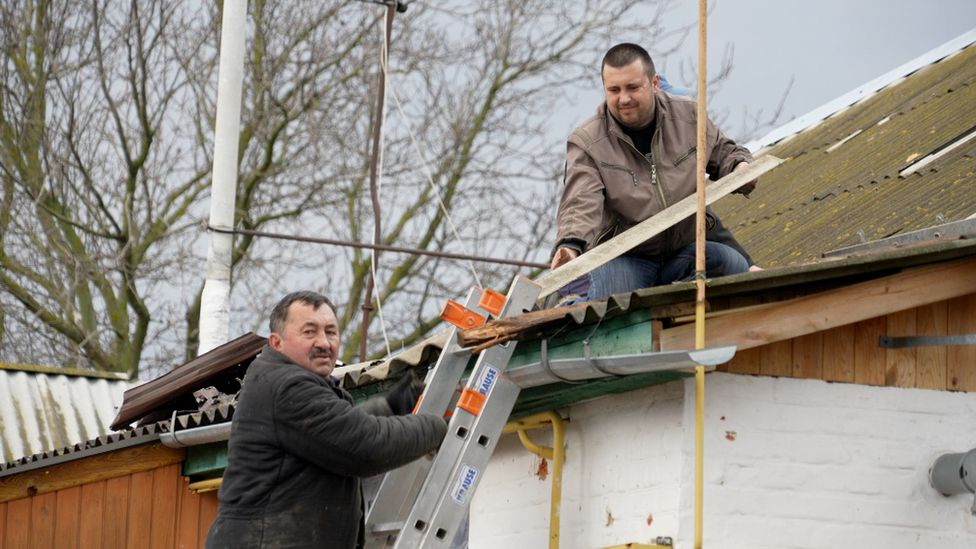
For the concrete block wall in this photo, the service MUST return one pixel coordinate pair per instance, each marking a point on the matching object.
(790, 463)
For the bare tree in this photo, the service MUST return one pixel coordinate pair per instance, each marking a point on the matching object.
(106, 124)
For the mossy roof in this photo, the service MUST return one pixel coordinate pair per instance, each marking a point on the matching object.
(841, 184)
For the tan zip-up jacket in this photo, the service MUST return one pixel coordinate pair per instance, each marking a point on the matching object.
(610, 186)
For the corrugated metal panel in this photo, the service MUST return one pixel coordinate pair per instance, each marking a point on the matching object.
(41, 411)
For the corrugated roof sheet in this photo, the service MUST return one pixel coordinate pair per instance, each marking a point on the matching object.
(841, 184)
(42, 409)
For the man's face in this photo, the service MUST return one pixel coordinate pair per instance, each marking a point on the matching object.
(630, 94)
(310, 337)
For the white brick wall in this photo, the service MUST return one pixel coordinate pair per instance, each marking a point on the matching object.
(789, 463)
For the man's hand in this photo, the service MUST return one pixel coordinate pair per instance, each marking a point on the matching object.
(746, 189)
(403, 396)
(563, 256)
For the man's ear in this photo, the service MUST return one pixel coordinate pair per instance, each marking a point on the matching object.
(274, 340)
(656, 83)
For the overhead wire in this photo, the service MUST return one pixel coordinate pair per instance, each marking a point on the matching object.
(386, 83)
(430, 180)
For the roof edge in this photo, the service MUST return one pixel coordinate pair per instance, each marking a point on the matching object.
(830, 108)
(59, 371)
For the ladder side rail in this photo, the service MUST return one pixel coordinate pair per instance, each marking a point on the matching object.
(399, 487)
(472, 435)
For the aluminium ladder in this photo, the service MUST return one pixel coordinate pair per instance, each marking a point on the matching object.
(424, 503)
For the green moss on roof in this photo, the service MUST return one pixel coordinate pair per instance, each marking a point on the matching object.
(819, 200)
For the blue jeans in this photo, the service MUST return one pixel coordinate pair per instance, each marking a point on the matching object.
(628, 273)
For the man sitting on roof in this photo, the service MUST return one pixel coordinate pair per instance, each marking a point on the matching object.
(628, 162)
(298, 447)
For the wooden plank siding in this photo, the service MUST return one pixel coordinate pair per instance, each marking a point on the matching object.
(852, 353)
(150, 509)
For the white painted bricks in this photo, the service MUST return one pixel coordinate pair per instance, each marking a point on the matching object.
(789, 463)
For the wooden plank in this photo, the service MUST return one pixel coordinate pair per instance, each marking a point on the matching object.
(83, 471)
(900, 363)
(18, 524)
(208, 513)
(808, 356)
(961, 359)
(624, 242)
(829, 309)
(188, 522)
(92, 513)
(838, 354)
(165, 491)
(116, 514)
(869, 355)
(775, 359)
(744, 362)
(42, 520)
(3, 523)
(930, 367)
(140, 509)
(67, 518)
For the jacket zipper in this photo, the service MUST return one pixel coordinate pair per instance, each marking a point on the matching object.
(654, 183)
(633, 175)
(664, 201)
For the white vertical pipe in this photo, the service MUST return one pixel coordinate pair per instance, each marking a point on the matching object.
(215, 301)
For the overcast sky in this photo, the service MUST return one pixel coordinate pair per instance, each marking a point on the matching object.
(830, 47)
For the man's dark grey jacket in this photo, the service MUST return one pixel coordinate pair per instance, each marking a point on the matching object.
(297, 450)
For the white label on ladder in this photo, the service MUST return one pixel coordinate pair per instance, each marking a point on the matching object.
(464, 482)
(487, 379)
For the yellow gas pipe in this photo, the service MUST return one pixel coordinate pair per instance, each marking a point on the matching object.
(557, 454)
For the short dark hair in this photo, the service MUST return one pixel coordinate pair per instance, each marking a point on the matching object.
(279, 315)
(626, 53)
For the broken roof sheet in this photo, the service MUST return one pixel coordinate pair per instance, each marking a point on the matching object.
(219, 367)
(849, 178)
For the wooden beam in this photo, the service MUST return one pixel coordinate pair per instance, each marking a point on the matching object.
(838, 354)
(931, 320)
(91, 469)
(818, 312)
(900, 363)
(656, 224)
(961, 319)
(869, 355)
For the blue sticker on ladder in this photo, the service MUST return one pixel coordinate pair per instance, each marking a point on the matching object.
(487, 379)
(464, 484)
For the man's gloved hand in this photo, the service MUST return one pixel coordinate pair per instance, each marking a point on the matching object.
(403, 396)
(746, 189)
